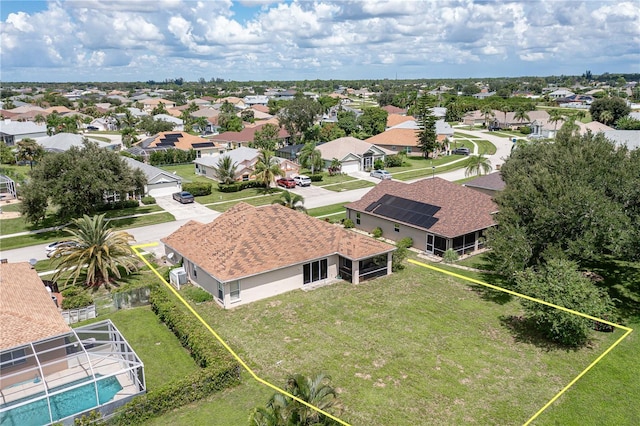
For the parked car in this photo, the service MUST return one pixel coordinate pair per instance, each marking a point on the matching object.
(183, 197)
(461, 151)
(302, 180)
(381, 174)
(58, 247)
(93, 128)
(286, 182)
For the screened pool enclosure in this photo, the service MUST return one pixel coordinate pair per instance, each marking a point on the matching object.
(59, 378)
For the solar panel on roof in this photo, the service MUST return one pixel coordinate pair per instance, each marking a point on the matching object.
(405, 210)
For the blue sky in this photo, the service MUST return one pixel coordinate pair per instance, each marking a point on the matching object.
(139, 40)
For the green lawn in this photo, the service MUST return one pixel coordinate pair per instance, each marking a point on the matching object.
(255, 201)
(187, 172)
(349, 185)
(464, 135)
(327, 210)
(164, 359)
(413, 346)
(220, 197)
(427, 172)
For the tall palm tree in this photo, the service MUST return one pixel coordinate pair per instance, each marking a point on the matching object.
(284, 410)
(488, 114)
(310, 157)
(292, 201)
(29, 150)
(225, 170)
(606, 117)
(521, 115)
(478, 165)
(129, 136)
(555, 116)
(95, 251)
(505, 108)
(267, 168)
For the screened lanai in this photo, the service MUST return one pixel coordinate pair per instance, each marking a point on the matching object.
(7, 188)
(57, 378)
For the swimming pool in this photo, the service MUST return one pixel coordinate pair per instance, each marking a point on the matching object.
(63, 405)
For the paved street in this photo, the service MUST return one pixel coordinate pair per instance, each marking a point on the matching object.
(314, 197)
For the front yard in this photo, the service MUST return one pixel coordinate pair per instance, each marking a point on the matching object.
(416, 347)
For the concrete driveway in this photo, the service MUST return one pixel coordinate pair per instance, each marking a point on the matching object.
(186, 211)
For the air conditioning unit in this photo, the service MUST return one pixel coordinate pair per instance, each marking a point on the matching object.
(178, 277)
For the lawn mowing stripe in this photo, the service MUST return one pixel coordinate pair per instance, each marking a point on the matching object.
(226, 346)
(562, 308)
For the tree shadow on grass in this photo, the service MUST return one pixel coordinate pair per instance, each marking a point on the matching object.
(622, 281)
(524, 330)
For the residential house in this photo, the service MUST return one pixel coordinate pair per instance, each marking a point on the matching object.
(235, 257)
(245, 160)
(392, 109)
(255, 100)
(437, 214)
(403, 137)
(247, 135)
(61, 142)
(45, 363)
(178, 124)
(177, 140)
(490, 184)
(12, 132)
(354, 154)
(628, 138)
(560, 93)
(159, 182)
(149, 104)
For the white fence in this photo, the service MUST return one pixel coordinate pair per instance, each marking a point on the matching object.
(72, 316)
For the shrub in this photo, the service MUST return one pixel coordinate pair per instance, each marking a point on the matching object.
(405, 242)
(394, 160)
(377, 233)
(118, 205)
(197, 295)
(197, 189)
(77, 301)
(450, 256)
(525, 130)
(398, 257)
(316, 178)
(71, 291)
(348, 223)
(239, 186)
(378, 164)
(148, 200)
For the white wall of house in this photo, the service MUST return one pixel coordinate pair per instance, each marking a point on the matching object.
(369, 223)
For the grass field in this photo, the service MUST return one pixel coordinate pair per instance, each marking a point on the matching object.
(186, 172)
(412, 348)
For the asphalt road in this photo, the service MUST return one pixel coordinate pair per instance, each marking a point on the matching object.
(314, 197)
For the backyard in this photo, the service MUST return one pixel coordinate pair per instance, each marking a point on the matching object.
(413, 346)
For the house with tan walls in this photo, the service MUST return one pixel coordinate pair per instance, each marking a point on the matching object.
(250, 253)
(436, 214)
(354, 154)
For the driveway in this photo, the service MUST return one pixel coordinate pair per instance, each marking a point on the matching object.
(186, 211)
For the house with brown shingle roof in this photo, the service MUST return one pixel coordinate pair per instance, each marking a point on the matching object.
(248, 134)
(178, 140)
(490, 184)
(395, 119)
(437, 214)
(251, 253)
(392, 109)
(41, 357)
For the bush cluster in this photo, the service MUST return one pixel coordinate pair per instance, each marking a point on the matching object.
(377, 233)
(148, 200)
(348, 223)
(239, 186)
(172, 156)
(118, 205)
(316, 178)
(394, 160)
(197, 189)
(80, 300)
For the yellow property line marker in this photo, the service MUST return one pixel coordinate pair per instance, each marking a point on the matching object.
(562, 308)
(226, 346)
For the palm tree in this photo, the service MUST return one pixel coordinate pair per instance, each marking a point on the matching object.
(29, 150)
(225, 170)
(521, 115)
(504, 108)
(284, 410)
(488, 114)
(478, 165)
(95, 250)
(267, 168)
(555, 116)
(129, 136)
(310, 157)
(292, 201)
(606, 117)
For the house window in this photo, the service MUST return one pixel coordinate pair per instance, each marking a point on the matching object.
(396, 227)
(234, 291)
(199, 154)
(358, 218)
(16, 357)
(195, 271)
(245, 178)
(315, 271)
(221, 291)
(408, 150)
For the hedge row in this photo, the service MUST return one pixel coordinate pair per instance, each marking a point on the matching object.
(176, 394)
(117, 205)
(219, 371)
(316, 178)
(239, 186)
(197, 189)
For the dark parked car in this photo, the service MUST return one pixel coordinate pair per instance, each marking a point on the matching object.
(461, 151)
(92, 128)
(184, 197)
(286, 182)
(59, 248)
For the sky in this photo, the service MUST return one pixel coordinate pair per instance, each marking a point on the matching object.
(141, 40)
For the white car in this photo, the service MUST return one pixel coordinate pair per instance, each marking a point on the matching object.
(302, 180)
(51, 248)
(381, 174)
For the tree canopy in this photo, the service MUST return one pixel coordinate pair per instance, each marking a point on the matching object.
(427, 137)
(578, 198)
(609, 110)
(372, 121)
(298, 115)
(78, 181)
